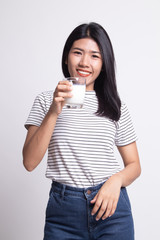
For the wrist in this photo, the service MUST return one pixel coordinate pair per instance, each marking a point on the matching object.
(52, 113)
(118, 178)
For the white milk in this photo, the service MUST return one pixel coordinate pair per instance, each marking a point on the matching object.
(78, 96)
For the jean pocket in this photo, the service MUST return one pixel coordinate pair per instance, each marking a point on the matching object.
(125, 198)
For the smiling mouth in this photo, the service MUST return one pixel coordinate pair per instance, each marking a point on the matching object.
(83, 73)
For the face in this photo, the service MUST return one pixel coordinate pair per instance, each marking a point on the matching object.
(85, 60)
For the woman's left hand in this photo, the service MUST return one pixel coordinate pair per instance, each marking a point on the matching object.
(107, 198)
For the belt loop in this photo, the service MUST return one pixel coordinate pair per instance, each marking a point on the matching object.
(63, 190)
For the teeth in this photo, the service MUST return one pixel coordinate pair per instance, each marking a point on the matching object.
(85, 73)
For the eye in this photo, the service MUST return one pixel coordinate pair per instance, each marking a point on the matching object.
(95, 56)
(77, 52)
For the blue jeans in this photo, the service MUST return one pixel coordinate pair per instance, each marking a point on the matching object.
(68, 216)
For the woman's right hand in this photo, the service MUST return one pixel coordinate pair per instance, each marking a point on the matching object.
(62, 91)
(38, 138)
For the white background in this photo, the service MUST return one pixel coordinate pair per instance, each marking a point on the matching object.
(32, 36)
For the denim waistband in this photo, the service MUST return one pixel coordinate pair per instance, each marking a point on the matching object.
(69, 190)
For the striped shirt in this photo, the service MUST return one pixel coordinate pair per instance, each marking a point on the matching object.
(81, 149)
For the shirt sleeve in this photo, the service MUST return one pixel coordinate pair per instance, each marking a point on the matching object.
(37, 113)
(125, 133)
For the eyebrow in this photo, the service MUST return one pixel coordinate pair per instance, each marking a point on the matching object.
(76, 48)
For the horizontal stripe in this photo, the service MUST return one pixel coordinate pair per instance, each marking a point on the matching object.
(81, 149)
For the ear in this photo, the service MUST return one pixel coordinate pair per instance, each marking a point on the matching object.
(66, 61)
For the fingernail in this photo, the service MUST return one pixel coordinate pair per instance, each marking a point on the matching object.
(97, 219)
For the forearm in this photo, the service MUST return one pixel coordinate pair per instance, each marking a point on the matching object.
(132, 168)
(129, 174)
(36, 147)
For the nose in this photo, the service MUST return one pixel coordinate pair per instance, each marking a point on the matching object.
(84, 61)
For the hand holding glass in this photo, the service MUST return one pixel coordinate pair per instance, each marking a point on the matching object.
(79, 88)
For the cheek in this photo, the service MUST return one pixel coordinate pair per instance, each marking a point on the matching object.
(71, 62)
(71, 69)
(98, 68)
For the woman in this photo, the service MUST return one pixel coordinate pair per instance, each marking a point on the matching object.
(88, 198)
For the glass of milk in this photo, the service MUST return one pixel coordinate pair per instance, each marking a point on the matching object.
(78, 91)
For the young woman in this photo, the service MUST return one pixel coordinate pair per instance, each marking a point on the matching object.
(88, 198)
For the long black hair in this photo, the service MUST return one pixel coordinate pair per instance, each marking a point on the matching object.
(105, 84)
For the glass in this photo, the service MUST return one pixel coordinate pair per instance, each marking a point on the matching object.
(79, 88)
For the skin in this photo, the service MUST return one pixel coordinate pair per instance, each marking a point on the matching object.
(85, 60)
